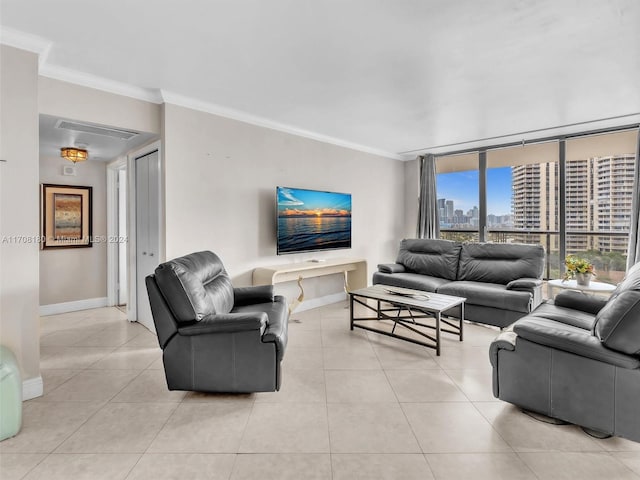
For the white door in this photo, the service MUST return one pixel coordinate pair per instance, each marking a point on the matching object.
(122, 235)
(147, 230)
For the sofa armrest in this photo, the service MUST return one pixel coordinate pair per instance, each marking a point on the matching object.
(524, 284)
(391, 268)
(251, 295)
(506, 340)
(571, 339)
(227, 323)
(579, 301)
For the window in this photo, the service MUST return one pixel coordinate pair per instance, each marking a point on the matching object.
(522, 198)
(457, 183)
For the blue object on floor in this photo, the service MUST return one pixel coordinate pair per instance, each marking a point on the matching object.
(10, 394)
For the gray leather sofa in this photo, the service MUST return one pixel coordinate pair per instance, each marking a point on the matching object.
(216, 338)
(501, 282)
(576, 359)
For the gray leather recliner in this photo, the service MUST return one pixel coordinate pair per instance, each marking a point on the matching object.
(576, 359)
(214, 337)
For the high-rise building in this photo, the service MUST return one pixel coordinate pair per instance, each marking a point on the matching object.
(448, 207)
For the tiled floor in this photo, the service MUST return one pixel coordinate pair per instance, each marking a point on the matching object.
(353, 405)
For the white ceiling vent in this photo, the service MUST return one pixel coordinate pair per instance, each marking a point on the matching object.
(96, 130)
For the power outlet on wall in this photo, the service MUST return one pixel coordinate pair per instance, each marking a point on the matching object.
(69, 170)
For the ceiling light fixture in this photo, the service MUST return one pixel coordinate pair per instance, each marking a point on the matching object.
(74, 154)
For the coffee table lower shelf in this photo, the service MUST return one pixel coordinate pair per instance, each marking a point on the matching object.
(407, 314)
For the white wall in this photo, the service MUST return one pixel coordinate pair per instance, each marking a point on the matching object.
(19, 212)
(71, 274)
(220, 179)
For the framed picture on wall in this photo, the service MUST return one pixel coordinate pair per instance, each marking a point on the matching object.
(66, 216)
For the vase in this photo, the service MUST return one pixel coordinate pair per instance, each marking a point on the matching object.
(583, 279)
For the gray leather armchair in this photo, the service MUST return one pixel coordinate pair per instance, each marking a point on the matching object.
(216, 338)
(576, 359)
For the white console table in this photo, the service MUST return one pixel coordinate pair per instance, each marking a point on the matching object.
(354, 271)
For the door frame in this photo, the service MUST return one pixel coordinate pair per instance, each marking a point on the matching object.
(112, 228)
(132, 305)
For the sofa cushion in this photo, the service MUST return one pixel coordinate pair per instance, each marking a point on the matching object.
(437, 258)
(500, 262)
(618, 323)
(195, 286)
(489, 295)
(568, 316)
(409, 280)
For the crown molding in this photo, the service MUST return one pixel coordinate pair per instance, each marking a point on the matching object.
(24, 41)
(100, 83)
(214, 109)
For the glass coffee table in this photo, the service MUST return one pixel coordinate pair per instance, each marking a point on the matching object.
(405, 310)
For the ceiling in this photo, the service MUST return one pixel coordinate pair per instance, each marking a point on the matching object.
(388, 76)
(101, 148)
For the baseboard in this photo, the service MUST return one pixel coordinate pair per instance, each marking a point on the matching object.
(32, 388)
(56, 308)
(321, 301)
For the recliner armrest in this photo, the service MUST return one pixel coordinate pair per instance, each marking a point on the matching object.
(570, 339)
(579, 301)
(391, 268)
(227, 323)
(524, 284)
(251, 295)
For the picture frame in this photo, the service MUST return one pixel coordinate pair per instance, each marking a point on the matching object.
(66, 215)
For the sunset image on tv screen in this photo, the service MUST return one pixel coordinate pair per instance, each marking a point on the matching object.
(312, 220)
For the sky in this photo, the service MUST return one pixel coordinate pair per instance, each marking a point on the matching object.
(312, 201)
(462, 188)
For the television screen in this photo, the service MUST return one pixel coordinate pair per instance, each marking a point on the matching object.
(310, 220)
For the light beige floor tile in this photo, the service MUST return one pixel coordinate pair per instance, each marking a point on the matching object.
(630, 459)
(91, 386)
(286, 428)
(84, 467)
(424, 386)
(114, 335)
(462, 356)
(475, 384)
(46, 425)
(70, 335)
(360, 466)
(305, 358)
(307, 320)
(479, 466)
(619, 444)
(478, 334)
(156, 364)
(128, 358)
(370, 428)
(576, 465)
(203, 428)
(357, 386)
(305, 338)
(144, 339)
(361, 357)
(14, 466)
(179, 466)
(452, 427)
(148, 386)
(298, 386)
(71, 358)
(525, 434)
(336, 321)
(334, 337)
(52, 379)
(401, 355)
(282, 466)
(119, 428)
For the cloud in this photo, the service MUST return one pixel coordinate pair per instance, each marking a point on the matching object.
(289, 199)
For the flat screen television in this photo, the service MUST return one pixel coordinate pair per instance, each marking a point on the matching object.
(312, 220)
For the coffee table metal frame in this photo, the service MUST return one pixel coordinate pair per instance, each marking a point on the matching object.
(405, 311)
